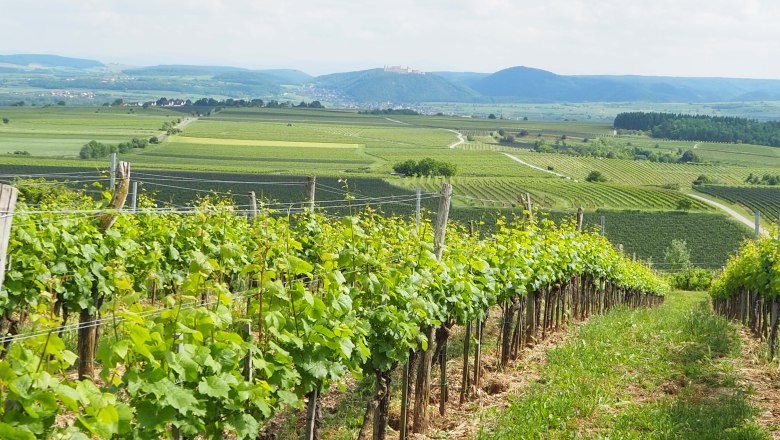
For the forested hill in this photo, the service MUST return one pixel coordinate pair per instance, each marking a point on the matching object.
(701, 128)
(376, 85)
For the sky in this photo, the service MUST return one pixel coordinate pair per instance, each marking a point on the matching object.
(712, 38)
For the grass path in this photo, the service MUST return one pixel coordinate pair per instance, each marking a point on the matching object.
(675, 372)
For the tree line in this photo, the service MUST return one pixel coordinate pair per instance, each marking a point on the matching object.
(701, 127)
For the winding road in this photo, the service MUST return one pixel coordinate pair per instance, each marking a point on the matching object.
(522, 162)
(734, 214)
(461, 140)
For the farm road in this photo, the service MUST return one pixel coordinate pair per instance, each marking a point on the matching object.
(739, 217)
(522, 162)
(461, 140)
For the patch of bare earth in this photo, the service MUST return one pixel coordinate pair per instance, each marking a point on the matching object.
(764, 379)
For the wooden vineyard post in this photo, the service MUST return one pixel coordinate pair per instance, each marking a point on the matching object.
(773, 329)
(8, 196)
(405, 394)
(311, 186)
(423, 384)
(175, 433)
(603, 225)
(252, 207)
(312, 425)
(88, 329)
(478, 354)
(580, 218)
(529, 207)
(465, 377)
(441, 220)
(464, 385)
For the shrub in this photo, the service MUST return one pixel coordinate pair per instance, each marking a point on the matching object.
(596, 176)
(425, 167)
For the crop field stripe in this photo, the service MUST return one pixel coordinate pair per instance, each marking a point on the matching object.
(257, 143)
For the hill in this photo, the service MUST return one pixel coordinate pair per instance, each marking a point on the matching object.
(526, 84)
(376, 85)
(25, 60)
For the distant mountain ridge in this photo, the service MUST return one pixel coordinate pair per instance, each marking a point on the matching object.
(376, 86)
(24, 60)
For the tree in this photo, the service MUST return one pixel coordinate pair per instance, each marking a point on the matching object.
(60, 102)
(690, 156)
(6, 120)
(491, 116)
(596, 176)
(701, 180)
(677, 256)
(684, 204)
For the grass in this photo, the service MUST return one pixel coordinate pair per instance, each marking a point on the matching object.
(186, 140)
(665, 373)
(61, 131)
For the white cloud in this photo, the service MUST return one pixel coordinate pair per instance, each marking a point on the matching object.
(661, 37)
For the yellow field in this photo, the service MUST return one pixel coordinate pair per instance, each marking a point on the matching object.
(256, 143)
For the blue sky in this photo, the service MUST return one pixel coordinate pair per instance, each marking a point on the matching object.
(661, 37)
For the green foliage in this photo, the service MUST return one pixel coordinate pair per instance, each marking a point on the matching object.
(596, 176)
(701, 128)
(323, 298)
(766, 179)
(692, 279)
(689, 157)
(684, 204)
(702, 180)
(6, 120)
(754, 268)
(677, 257)
(126, 147)
(763, 199)
(96, 150)
(425, 167)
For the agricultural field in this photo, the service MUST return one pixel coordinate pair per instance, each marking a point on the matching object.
(764, 199)
(250, 145)
(552, 192)
(59, 131)
(641, 173)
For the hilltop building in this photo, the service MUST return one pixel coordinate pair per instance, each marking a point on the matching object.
(403, 70)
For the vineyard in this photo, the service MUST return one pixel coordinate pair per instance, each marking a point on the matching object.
(208, 320)
(639, 172)
(556, 193)
(764, 199)
(749, 287)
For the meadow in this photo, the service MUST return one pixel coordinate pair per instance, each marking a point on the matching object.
(58, 131)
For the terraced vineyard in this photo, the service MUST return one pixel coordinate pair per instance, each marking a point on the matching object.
(551, 192)
(764, 199)
(637, 172)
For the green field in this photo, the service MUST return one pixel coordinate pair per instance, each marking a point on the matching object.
(281, 144)
(552, 192)
(763, 199)
(61, 131)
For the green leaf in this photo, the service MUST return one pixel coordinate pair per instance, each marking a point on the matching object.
(245, 425)
(8, 432)
(298, 266)
(181, 399)
(214, 386)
